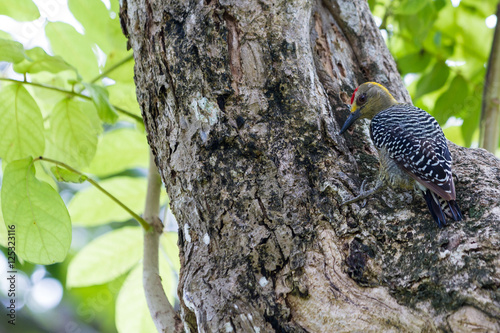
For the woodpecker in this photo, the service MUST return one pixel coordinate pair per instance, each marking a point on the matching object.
(412, 149)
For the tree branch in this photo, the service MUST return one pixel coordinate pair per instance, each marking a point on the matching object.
(139, 219)
(72, 93)
(490, 111)
(160, 309)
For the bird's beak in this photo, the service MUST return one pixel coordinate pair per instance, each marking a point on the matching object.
(355, 113)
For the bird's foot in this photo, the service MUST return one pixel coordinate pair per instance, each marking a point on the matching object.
(363, 193)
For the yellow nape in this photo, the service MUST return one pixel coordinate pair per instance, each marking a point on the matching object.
(381, 86)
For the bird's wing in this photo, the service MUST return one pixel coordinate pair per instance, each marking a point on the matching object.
(425, 159)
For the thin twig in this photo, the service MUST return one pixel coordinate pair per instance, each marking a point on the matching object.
(112, 68)
(145, 225)
(161, 310)
(72, 93)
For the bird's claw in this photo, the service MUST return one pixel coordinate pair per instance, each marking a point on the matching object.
(363, 193)
(359, 197)
(362, 187)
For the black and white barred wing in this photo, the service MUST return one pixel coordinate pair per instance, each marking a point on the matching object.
(418, 146)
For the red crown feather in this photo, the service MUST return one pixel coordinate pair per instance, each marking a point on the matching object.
(354, 93)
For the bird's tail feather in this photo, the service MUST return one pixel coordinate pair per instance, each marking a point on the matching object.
(453, 211)
(440, 207)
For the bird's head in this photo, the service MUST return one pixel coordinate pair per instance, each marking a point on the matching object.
(367, 100)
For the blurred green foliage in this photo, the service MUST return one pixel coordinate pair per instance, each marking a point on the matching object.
(67, 92)
(441, 48)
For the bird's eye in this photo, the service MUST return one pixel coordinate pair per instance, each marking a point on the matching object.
(361, 99)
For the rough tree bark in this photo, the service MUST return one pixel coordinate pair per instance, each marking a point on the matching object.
(242, 101)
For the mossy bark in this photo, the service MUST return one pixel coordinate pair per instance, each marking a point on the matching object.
(242, 102)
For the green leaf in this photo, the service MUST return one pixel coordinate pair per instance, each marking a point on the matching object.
(123, 73)
(414, 63)
(99, 95)
(475, 35)
(91, 207)
(371, 4)
(132, 314)
(90, 110)
(11, 51)
(123, 95)
(470, 126)
(65, 175)
(168, 243)
(481, 8)
(47, 98)
(21, 124)
(43, 226)
(120, 150)
(5, 35)
(22, 10)
(73, 47)
(410, 7)
(439, 4)
(3, 229)
(452, 101)
(95, 18)
(418, 26)
(44, 175)
(37, 60)
(73, 135)
(106, 257)
(453, 133)
(433, 80)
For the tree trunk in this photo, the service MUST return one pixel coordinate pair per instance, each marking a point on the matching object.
(242, 101)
